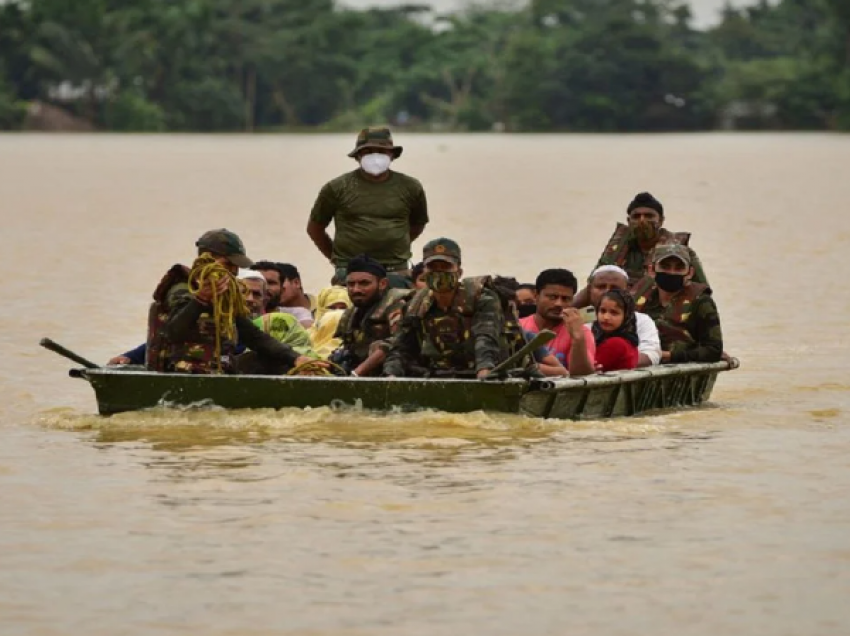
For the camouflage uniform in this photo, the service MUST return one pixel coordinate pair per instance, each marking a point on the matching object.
(362, 329)
(689, 326)
(624, 251)
(181, 329)
(463, 339)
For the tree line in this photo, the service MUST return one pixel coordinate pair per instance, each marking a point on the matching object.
(547, 65)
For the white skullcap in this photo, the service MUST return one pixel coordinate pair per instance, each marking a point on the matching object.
(609, 269)
(245, 274)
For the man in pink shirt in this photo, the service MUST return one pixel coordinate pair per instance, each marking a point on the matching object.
(573, 345)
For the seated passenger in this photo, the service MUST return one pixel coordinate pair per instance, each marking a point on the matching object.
(573, 345)
(366, 328)
(418, 276)
(526, 300)
(683, 310)
(331, 303)
(454, 328)
(256, 292)
(188, 332)
(615, 332)
(609, 277)
(631, 246)
(285, 291)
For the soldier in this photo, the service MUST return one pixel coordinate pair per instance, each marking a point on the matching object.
(630, 247)
(453, 327)
(183, 335)
(365, 328)
(375, 210)
(683, 310)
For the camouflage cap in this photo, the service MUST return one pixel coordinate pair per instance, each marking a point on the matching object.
(225, 243)
(380, 138)
(441, 249)
(674, 250)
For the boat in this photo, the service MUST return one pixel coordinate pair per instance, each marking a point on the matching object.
(605, 395)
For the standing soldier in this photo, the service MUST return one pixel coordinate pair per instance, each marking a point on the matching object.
(375, 210)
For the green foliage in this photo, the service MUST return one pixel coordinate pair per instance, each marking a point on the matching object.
(581, 65)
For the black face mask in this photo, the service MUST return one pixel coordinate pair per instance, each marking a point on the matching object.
(525, 311)
(670, 283)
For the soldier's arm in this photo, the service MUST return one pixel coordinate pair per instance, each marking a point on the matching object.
(184, 313)
(321, 216)
(487, 330)
(403, 347)
(257, 340)
(418, 214)
(380, 348)
(707, 333)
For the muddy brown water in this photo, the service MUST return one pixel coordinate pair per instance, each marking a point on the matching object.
(733, 518)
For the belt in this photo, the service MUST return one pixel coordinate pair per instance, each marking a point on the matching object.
(396, 267)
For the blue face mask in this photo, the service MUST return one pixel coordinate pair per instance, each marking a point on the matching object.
(441, 282)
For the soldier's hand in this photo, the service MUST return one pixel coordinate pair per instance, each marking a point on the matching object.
(665, 357)
(118, 360)
(205, 294)
(483, 373)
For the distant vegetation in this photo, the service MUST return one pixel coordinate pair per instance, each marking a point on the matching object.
(556, 65)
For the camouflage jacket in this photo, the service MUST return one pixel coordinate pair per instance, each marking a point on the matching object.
(363, 328)
(689, 326)
(463, 339)
(186, 333)
(624, 251)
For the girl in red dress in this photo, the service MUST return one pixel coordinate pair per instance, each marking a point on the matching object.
(615, 332)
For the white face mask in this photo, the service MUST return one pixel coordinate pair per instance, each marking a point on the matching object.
(375, 163)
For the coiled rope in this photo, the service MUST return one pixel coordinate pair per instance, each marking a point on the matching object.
(226, 306)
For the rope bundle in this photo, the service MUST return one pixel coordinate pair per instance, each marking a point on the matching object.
(227, 305)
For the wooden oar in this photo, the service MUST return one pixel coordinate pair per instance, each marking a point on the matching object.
(541, 339)
(55, 347)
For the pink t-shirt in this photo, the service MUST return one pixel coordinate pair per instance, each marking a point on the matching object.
(560, 346)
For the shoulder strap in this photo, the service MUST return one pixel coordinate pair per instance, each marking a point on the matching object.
(472, 288)
(419, 304)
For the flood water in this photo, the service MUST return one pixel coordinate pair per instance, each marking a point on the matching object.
(729, 519)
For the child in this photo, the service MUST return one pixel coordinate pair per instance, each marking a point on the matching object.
(615, 332)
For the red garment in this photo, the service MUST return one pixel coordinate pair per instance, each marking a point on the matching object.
(616, 354)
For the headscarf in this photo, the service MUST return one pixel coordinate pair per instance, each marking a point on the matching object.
(285, 328)
(627, 330)
(330, 296)
(323, 331)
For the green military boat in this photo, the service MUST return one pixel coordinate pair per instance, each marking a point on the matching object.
(618, 394)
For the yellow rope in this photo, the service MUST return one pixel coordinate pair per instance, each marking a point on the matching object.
(315, 367)
(226, 306)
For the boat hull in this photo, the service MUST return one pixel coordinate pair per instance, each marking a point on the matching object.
(599, 396)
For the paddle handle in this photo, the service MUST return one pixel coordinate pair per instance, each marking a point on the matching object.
(55, 347)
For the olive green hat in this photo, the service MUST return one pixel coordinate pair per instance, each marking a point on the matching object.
(441, 249)
(674, 250)
(379, 138)
(225, 243)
